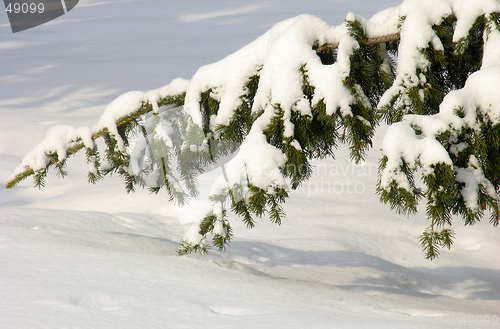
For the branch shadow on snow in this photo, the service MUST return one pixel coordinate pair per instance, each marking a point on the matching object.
(339, 269)
(374, 274)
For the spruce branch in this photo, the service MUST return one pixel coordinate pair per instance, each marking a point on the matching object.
(365, 86)
(79, 144)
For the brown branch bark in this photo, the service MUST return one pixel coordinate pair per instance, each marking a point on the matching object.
(369, 41)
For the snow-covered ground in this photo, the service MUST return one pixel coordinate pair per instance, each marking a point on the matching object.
(74, 255)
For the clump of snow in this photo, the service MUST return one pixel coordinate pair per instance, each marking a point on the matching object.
(478, 99)
(473, 178)
(276, 57)
(467, 11)
(262, 161)
(137, 155)
(347, 46)
(420, 16)
(416, 34)
(384, 22)
(128, 103)
(401, 143)
(58, 140)
(296, 145)
(280, 79)
(193, 235)
(176, 87)
(219, 228)
(123, 105)
(228, 76)
(330, 88)
(491, 55)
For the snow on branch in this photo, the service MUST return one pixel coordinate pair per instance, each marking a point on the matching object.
(226, 80)
(62, 142)
(449, 119)
(370, 41)
(291, 96)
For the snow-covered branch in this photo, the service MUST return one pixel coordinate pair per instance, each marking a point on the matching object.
(292, 95)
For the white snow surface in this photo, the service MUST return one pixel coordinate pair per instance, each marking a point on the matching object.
(74, 255)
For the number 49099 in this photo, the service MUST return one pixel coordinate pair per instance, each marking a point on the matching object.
(25, 8)
(479, 320)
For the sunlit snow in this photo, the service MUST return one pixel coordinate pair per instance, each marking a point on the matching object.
(76, 255)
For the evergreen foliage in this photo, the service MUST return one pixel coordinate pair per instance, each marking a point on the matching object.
(160, 144)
